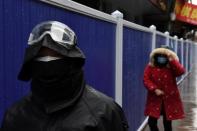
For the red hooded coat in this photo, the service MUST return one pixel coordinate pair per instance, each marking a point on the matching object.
(165, 80)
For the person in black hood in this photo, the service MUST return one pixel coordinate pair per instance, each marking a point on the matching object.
(60, 100)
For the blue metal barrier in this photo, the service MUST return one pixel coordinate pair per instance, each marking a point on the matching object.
(184, 55)
(160, 40)
(172, 44)
(189, 53)
(137, 47)
(179, 52)
(192, 54)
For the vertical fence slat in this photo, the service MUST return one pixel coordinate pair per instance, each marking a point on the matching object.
(119, 61)
(160, 40)
(137, 46)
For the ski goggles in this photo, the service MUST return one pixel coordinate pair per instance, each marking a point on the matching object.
(59, 32)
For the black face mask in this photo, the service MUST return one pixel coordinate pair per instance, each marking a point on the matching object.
(56, 80)
(161, 60)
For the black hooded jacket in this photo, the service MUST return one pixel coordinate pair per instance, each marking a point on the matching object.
(59, 99)
(93, 111)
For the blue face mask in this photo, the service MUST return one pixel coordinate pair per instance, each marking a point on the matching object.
(161, 60)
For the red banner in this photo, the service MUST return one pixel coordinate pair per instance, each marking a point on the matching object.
(186, 12)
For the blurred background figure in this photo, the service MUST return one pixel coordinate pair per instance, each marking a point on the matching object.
(163, 95)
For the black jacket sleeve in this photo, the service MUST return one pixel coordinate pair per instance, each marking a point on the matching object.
(113, 119)
(3, 124)
(119, 122)
(108, 114)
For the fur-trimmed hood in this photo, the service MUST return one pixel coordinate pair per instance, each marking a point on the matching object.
(163, 51)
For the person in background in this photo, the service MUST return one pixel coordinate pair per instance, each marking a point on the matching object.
(60, 99)
(163, 96)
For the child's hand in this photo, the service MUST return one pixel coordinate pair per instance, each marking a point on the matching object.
(159, 92)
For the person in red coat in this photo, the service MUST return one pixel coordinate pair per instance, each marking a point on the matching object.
(163, 96)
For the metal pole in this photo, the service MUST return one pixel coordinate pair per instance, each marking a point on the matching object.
(119, 56)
